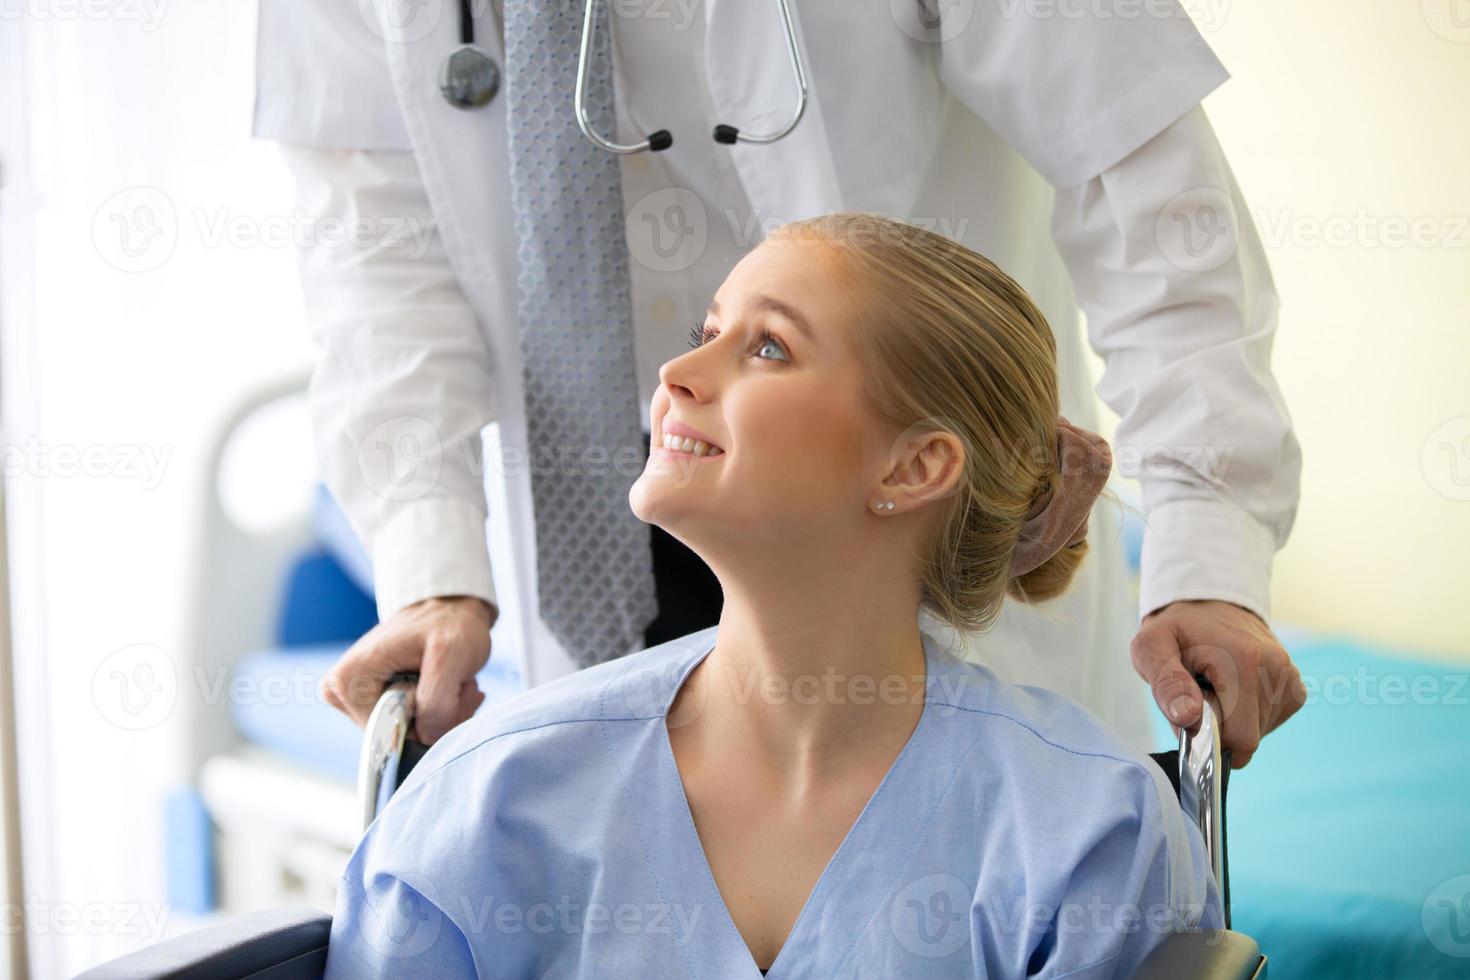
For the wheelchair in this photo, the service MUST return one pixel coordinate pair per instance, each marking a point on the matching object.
(291, 943)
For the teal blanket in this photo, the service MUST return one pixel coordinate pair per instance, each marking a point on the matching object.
(1349, 832)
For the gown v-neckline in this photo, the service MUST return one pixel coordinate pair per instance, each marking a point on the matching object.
(840, 859)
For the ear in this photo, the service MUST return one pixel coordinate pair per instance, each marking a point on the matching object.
(924, 467)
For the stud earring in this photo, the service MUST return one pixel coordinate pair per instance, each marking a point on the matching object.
(883, 504)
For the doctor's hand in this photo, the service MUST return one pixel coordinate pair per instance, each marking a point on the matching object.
(1257, 685)
(445, 639)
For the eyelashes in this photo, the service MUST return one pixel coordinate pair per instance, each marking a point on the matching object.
(699, 335)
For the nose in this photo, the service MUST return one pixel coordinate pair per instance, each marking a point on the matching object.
(678, 374)
(677, 391)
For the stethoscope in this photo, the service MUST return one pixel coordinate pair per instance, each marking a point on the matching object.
(469, 79)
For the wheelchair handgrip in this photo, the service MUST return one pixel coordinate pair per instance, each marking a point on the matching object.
(388, 750)
(1201, 769)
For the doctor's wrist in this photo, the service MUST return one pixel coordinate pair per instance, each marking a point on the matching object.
(487, 611)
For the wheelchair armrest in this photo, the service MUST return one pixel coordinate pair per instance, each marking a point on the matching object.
(275, 944)
(1211, 954)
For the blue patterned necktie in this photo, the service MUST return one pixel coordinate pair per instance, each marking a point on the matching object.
(593, 555)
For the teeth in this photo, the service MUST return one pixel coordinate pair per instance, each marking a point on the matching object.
(684, 445)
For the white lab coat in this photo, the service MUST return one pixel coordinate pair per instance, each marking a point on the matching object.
(1001, 115)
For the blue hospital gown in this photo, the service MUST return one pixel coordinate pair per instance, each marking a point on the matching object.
(1013, 836)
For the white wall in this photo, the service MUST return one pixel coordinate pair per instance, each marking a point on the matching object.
(1349, 119)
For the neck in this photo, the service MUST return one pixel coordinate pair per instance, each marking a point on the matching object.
(814, 674)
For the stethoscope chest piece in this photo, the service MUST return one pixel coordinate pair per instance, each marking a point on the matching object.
(469, 77)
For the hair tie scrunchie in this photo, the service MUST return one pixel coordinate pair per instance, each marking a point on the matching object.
(1059, 519)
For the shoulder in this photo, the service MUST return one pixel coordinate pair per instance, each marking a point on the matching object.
(638, 686)
(322, 77)
(1071, 787)
(1047, 741)
(531, 761)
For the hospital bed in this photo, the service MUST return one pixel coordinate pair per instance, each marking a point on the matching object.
(291, 943)
(261, 811)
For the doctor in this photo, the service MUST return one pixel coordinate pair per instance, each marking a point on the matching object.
(977, 120)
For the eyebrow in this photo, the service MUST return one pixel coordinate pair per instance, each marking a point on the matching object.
(773, 305)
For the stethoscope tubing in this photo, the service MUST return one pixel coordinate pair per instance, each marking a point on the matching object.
(659, 140)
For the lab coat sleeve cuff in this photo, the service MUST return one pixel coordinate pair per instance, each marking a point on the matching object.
(1205, 549)
(431, 548)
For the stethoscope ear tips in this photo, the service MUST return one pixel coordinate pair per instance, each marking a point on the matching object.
(726, 134)
(660, 140)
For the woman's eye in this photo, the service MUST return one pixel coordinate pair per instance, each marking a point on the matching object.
(701, 335)
(768, 341)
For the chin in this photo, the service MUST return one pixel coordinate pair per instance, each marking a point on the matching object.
(650, 497)
(666, 506)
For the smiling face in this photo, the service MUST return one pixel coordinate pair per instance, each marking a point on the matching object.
(775, 385)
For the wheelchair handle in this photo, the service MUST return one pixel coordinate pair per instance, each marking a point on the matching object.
(384, 739)
(1200, 768)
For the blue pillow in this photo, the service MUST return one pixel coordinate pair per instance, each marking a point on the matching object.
(321, 604)
(335, 534)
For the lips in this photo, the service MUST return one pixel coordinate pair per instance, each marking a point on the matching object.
(677, 428)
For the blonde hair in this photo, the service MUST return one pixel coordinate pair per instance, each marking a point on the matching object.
(951, 343)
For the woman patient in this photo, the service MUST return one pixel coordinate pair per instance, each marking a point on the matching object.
(814, 787)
